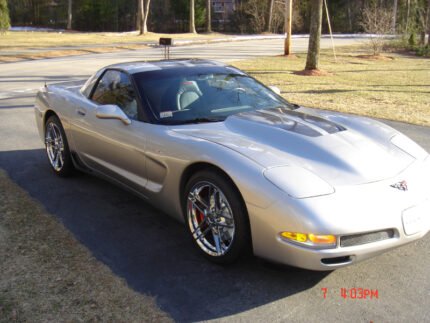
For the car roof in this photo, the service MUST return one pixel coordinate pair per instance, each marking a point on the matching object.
(146, 66)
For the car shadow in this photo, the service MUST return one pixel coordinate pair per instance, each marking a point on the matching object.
(151, 251)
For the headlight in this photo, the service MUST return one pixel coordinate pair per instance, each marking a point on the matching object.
(310, 239)
(297, 182)
(409, 146)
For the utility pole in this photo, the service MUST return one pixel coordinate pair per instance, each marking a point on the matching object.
(288, 22)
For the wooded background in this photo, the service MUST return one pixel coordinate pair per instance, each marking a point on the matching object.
(249, 16)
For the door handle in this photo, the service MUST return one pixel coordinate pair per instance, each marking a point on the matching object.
(81, 112)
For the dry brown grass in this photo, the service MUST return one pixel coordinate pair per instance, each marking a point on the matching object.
(67, 52)
(396, 89)
(26, 40)
(47, 276)
(41, 42)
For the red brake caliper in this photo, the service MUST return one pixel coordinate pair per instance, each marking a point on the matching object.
(200, 217)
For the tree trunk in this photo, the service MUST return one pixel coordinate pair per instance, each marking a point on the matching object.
(208, 16)
(69, 15)
(408, 10)
(428, 22)
(140, 15)
(288, 29)
(349, 16)
(192, 18)
(315, 35)
(145, 16)
(270, 16)
(393, 27)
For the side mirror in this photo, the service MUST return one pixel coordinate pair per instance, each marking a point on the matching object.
(275, 89)
(111, 111)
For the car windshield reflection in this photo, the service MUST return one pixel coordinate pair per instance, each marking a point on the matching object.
(199, 97)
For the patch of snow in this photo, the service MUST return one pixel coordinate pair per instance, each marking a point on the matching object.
(18, 28)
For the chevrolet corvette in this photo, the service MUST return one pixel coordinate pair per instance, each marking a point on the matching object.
(242, 168)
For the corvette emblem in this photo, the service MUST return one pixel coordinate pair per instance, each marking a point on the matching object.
(403, 186)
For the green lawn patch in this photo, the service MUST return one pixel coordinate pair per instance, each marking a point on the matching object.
(395, 87)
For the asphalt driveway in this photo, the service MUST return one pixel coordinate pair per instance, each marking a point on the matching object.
(153, 253)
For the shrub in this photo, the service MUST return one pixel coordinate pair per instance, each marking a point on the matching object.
(377, 21)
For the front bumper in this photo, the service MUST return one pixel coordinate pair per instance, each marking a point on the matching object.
(351, 210)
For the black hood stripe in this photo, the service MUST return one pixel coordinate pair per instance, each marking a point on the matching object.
(293, 121)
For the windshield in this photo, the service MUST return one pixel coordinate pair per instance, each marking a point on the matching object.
(189, 95)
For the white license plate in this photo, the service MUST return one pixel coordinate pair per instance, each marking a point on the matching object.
(416, 219)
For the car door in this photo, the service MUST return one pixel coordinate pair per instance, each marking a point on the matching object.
(110, 146)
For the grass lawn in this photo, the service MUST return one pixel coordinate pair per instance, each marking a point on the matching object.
(26, 39)
(43, 44)
(48, 276)
(67, 52)
(396, 89)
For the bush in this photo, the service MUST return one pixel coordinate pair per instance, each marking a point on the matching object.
(240, 20)
(412, 40)
(376, 21)
(423, 51)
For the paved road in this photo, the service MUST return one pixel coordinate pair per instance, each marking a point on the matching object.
(29, 75)
(153, 253)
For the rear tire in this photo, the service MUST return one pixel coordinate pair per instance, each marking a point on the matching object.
(57, 147)
(216, 217)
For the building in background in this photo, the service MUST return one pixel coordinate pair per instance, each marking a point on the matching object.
(222, 9)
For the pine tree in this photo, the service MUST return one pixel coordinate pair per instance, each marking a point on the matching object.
(4, 16)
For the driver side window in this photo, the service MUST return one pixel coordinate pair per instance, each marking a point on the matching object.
(115, 88)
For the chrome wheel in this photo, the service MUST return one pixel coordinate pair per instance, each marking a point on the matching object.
(210, 219)
(54, 143)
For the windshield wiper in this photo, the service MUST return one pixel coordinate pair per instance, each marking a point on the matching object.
(201, 120)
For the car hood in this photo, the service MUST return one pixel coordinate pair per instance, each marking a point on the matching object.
(341, 149)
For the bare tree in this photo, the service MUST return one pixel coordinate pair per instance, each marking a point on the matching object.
(377, 21)
(69, 15)
(145, 18)
(349, 14)
(312, 59)
(270, 15)
(192, 18)
(288, 26)
(408, 11)
(208, 16)
(422, 12)
(394, 16)
(428, 22)
(256, 10)
(143, 13)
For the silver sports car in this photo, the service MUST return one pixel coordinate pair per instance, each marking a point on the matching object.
(244, 169)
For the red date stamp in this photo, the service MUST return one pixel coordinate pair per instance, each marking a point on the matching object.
(354, 293)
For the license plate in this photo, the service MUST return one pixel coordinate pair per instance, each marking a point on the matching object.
(416, 219)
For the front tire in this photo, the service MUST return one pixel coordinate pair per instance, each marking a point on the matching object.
(216, 217)
(57, 147)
